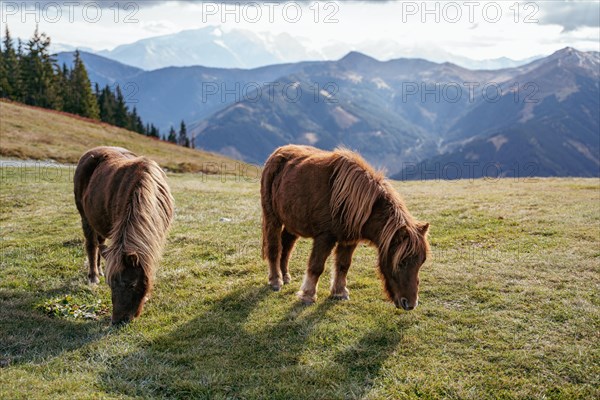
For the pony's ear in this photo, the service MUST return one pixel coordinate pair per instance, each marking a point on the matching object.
(403, 232)
(133, 259)
(423, 228)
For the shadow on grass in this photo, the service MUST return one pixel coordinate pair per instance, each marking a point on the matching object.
(29, 336)
(226, 353)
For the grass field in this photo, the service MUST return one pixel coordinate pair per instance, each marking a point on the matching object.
(35, 133)
(509, 303)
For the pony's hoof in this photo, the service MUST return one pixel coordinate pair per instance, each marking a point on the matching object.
(306, 299)
(343, 296)
(275, 288)
(337, 294)
(287, 279)
(276, 284)
(94, 280)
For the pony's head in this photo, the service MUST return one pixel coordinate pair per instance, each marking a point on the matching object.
(130, 287)
(406, 254)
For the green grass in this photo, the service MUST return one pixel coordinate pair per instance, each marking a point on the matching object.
(509, 303)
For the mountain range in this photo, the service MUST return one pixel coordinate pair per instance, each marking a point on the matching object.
(213, 46)
(541, 118)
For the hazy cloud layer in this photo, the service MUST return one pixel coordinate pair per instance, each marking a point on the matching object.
(569, 14)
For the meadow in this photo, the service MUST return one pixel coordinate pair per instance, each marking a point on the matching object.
(509, 301)
(39, 134)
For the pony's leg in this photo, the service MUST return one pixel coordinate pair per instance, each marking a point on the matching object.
(322, 247)
(287, 245)
(101, 247)
(343, 259)
(91, 247)
(273, 237)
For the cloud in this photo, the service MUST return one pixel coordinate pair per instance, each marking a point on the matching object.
(570, 15)
(153, 3)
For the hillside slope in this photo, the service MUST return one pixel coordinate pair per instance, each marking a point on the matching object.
(555, 134)
(166, 96)
(34, 133)
(102, 70)
(402, 112)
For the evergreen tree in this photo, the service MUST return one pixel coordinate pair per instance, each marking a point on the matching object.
(81, 99)
(19, 76)
(183, 139)
(34, 78)
(135, 122)
(154, 132)
(106, 104)
(4, 86)
(120, 112)
(10, 80)
(172, 136)
(64, 88)
(37, 73)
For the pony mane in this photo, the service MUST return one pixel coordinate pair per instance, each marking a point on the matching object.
(400, 225)
(356, 187)
(141, 231)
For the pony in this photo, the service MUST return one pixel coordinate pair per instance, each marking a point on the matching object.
(338, 198)
(125, 199)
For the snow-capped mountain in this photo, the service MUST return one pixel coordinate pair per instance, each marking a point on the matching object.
(213, 47)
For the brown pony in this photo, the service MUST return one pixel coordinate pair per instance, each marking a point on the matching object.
(336, 197)
(126, 199)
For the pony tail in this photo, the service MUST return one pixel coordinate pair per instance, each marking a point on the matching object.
(271, 170)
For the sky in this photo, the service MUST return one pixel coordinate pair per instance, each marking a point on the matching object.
(475, 29)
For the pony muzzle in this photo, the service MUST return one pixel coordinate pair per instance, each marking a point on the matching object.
(405, 304)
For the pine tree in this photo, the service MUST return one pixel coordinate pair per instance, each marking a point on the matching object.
(34, 78)
(81, 100)
(37, 73)
(135, 122)
(10, 80)
(183, 139)
(4, 86)
(154, 132)
(172, 136)
(121, 112)
(64, 88)
(18, 96)
(107, 105)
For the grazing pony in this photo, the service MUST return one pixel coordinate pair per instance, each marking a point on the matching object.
(125, 199)
(336, 197)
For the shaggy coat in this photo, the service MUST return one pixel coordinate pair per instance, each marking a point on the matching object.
(338, 198)
(125, 199)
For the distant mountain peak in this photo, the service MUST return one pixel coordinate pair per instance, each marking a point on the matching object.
(357, 56)
(572, 52)
(573, 58)
(567, 51)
